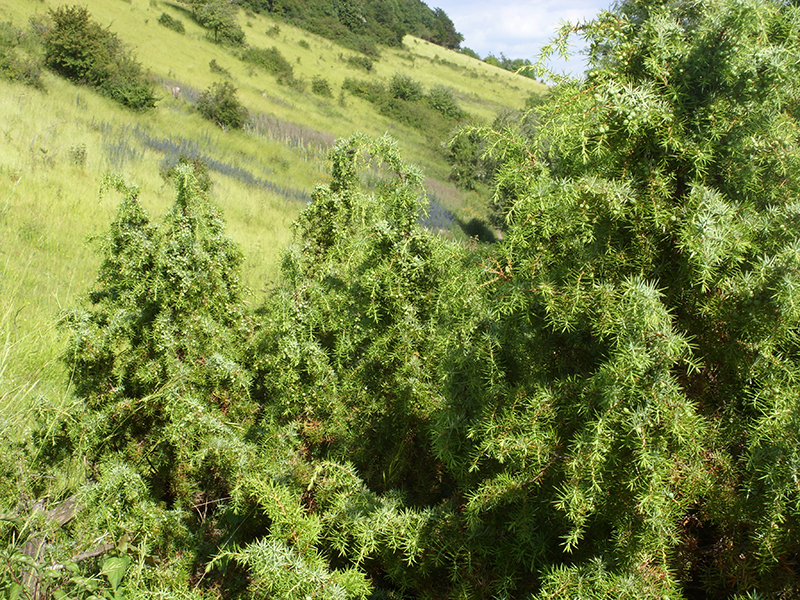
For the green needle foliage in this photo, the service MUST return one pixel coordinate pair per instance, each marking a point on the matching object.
(603, 405)
(156, 354)
(360, 314)
(651, 254)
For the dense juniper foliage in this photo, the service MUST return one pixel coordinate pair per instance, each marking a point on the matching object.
(603, 404)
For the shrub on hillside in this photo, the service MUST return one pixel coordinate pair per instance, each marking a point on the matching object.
(218, 69)
(403, 87)
(156, 350)
(20, 56)
(220, 104)
(321, 87)
(404, 101)
(442, 100)
(202, 177)
(219, 18)
(269, 59)
(360, 62)
(78, 48)
(371, 91)
(170, 23)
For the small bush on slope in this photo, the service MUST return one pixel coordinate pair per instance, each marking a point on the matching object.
(20, 56)
(219, 17)
(81, 50)
(170, 23)
(220, 104)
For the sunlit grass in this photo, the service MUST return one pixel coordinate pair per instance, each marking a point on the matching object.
(56, 146)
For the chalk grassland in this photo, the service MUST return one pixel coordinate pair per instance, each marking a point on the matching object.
(56, 146)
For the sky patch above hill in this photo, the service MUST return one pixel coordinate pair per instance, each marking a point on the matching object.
(519, 28)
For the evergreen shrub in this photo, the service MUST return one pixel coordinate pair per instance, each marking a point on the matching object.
(602, 405)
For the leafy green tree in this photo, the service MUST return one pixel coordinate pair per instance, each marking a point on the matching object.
(78, 48)
(219, 17)
(361, 25)
(445, 31)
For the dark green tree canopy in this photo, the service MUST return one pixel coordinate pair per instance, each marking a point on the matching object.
(360, 24)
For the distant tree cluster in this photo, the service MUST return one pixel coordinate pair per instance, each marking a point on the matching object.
(405, 100)
(515, 65)
(361, 25)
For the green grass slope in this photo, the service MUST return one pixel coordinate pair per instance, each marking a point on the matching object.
(57, 145)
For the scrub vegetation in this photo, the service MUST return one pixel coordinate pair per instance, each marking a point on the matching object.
(600, 403)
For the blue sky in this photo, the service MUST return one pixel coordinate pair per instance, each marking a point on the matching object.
(517, 28)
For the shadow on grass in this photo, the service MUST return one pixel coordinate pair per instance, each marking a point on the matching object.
(478, 228)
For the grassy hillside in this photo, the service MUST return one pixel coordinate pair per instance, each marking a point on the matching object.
(59, 143)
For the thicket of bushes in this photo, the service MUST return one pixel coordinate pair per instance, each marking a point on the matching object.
(405, 101)
(363, 25)
(602, 405)
(71, 44)
(78, 48)
(269, 59)
(20, 55)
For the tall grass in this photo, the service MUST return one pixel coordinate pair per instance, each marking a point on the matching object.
(55, 147)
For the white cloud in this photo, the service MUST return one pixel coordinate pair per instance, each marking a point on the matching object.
(517, 28)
